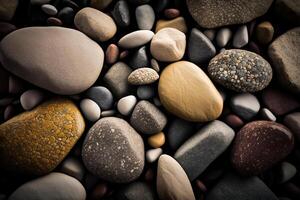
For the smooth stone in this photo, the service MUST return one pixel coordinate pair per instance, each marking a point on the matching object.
(126, 105)
(153, 154)
(288, 11)
(215, 13)
(155, 65)
(145, 92)
(6, 28)
(6, 101)
(31, 98)
(90, 109)
(73, 167)
(139, 58)
(145, 17)
(102, 96)
(100, 4)
(171, 13)
(116, 79)
(54, 186)
(53, 21)
(283, 53)
(16, 85)
(192, 155)
(36, 59)
(292, 121)
(286, 172)
(121, 14)
(168, 45)
(223, 37)
(39, 146)
(108, 113)
(8, 9)
(177, 23)
(4, 80)
(267, 115)
(271, 138)
(135, 191)
(147, 118)
(240, 70)
(233, 187)
(49, 9)
(157, 140)
(142, 76)
(39, 2)
(234, 121)
(9, 112)
(185, 91)
(200, 48)
(112, 54)
(95, 24)
(113, 151)
(264, 32)
(240, 37)
(136, 39)
(245, 105)
(172, 182)
(67, 15)
(210, 34)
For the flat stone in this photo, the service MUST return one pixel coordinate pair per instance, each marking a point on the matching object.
(200, 103)
(143, 76)
(292, 121)
(41, 137)
(136, 39)
(113, 151)
(153, 154)
(139, 58)
(73, 167)
(102, 96)
(90, 110)
(271, 138)
(193, 155)
(126, 105)
(136, 190)
(223, 37)
(8, 9)
(31, 98)
(145, 17)
(36, 59)
(240, 37)
(245, 105)
(177, 23)
(264, 32)
(121, 13)
(100, 4)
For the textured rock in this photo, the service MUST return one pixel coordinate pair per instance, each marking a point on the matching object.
(245, 105)
(145, 17)
(36, 60)
(143, 76)
(177, 23)
(8, 9)
(41, 137)
(136, 39)
(186, 91)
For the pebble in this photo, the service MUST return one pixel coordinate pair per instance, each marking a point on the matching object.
(145, 92)
(38, 147)
(240, 70)
(284, 52)
(157, 140)
(49, 187)
(240, 38)
(171, 13)
(121, 13)
(168, 45)
(113, 151)
(139, 58)
(292, 121)
(234, 121)
(193, 155)
(286, 172)
(147, 118)
(210, 34)
(200, 103)
(112, 54)
(142, 76)
(155, 65)
(95, 24)
(66, 15)
(31, 98)
(8, 9)
(100, 4)
(53, 21)
(9, 112)
(136, 39)
(49, 9)
(264, 32)
(200, 48)
(153, 154)
(126, 105)
(136, 190)
(90, 110)
(271, 138)
(223, 37)
(145, 17)
(245, 105)
(73, 167)
(172, 182)
(267, 114)
(102, 96)
(55, 75)
(177, 23)
(108, 113)
(6, 101)
(6, 28)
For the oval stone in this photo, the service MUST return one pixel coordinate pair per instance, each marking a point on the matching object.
(53, 58)
(186, 91)
(35, 142)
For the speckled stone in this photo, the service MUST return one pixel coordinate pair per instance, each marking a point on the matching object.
(143, 76)
(113, 151)
(271, 138)
(240, 70)
(41, 137)
(216, 13)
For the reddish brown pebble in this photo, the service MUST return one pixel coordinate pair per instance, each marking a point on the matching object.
(53, 21)
(99, 191)
(6, 28)
(234, 121)
(123, 54)
(201, 186)
(112, 54)
(171, 13)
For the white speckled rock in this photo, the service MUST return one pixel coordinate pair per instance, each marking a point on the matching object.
(90, 110)
(126, 104)
(136, 39)
(31, 98)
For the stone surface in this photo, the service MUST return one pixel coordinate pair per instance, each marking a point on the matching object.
(264, 32)
(168, 45)
(240, 37)
(147, 118)
(234, 121)
(171, 13)
(31, 98)
(288, 11)
(36, 59)
(8, 9)
(95, 24)
(41, 137)
(54, 186)
(286, 172)
(177, 23)
(292, 121)
(121, 13)
(200, 150)
(153, 154)
(100, 4)
(245, 105)
(223, 37)
(126, 105)
(73, 167)
(90, 110)
(102, 96)
(157, 140)
(240, 70)
(139, 58)
(172, 182)
(186, 91)
(271, 138)
(67, 15)
(215, 13)
(143, 76)
(136, 190)
(136, 39)
(145, 17)
(113, 151)
(284, 53)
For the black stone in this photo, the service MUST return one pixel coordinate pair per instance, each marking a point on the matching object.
(139, 58)
(136, 190)
(102, 96)
(121, 14)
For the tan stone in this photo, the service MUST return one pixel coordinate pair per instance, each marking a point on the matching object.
(187, 92)
(35, 142)
(178, 23)
(157, 140)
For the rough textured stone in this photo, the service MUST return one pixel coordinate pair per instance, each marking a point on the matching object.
(143, 76)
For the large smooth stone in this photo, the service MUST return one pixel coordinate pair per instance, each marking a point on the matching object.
(113, 151)
(186, 91)
(35, 142)
(196, 154)
(61, 60)
(54, 186)
(273, 139)
(217, 13)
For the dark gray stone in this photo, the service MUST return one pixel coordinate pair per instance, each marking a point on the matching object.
(4, 77)
(66, 15)
(139, 58)
(121, 14)
(102, 96)
(145, 92)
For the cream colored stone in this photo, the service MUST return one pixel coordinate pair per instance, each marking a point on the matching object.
(177, 23)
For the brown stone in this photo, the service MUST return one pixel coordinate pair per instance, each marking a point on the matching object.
(177, 23)
(171, 13)
(157, 140)
(264, 32)
(112, 54)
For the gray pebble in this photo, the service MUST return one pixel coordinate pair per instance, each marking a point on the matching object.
(286, 172)
(223, 37)
(145, 92)
(90, 110)
(31, 98)
(145, 17)
(240, 37)
(139, 58)
(102, 96)
(49, 9)
(73, 167)
(126, 104)
(245, 105)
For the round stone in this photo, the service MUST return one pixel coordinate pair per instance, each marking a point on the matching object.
(126, 104)
(49, 9)
(142, 76)
(112, 54)
(157, 140)
(145, 92)
(145, 17)
(66, 15)
(139, 58)
(31, 98)
(223, 37)
(186, 91)
(136, 39)
(121, 13)
(90, 110)
(153, 154)
(102, 96)
(264, 32)
(240, 37)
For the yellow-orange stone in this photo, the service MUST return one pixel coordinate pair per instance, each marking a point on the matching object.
(187, 92)
(35, 142)
(157, 140)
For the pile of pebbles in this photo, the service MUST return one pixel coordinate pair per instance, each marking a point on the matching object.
(149, 99)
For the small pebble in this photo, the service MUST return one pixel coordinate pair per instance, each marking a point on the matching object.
(121, 13)
(139, 58)
(145, 17)
(210, 34)
(126, 104)
(66, 15)
(143, 76)
(31, 98)
(53, 21)
(267, 114)
(223, 37)
(264, 32)
(49, 9)
(108, 113)
(90, 110)
(101, 95)
(157, 140)
(136, 39)
(145, 92)
(171, 13)
(240, 37)
(155, 65)
(99, 191)
(153, 154)
(112, 54)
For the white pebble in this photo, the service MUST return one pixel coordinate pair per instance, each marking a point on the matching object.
(90, 109)
(268, 115)
(126, 104)
(153, 154)
(136, 39)
(31, 98)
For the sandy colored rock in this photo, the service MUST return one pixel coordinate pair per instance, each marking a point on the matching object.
(186, 91)
(143, 76)
(35, 142)
(178, 23)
